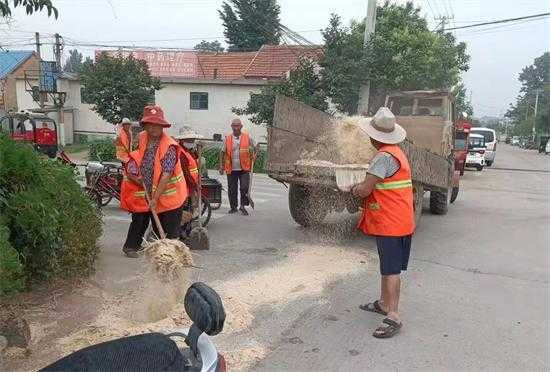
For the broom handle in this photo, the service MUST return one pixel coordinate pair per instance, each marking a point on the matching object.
(154, 213)
(199, 150)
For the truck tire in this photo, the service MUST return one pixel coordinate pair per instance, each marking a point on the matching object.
(454, 194)
(439, 202)
(305, 208)
(418, 198)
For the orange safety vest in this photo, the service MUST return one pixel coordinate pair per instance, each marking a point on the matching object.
(133, 196)
(193, 167)
(388, 210)
(123, 146)
(245, 158)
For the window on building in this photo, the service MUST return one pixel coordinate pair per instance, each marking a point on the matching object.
(199, 101)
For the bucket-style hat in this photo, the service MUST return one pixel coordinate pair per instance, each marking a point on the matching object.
(154, 115)
(383, 128)
(125, 121)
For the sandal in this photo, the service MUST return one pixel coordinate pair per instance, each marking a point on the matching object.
(373, 307)
(389, 330)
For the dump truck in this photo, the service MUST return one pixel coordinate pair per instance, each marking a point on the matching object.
(297, 132)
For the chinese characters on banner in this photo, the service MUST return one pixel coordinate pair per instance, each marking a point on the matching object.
(163, 63)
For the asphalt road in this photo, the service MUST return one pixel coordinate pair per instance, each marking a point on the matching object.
(476, 295)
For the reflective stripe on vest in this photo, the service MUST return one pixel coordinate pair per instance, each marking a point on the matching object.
(388, 210)
(394, 185)
(244, 150)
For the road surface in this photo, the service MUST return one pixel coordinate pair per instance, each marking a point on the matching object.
(476, 295)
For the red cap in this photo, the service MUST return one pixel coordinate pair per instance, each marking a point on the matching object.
(154, 115)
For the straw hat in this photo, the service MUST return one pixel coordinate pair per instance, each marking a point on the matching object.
(154, 115)
(187, 134)
(383, 128)
(125, 121)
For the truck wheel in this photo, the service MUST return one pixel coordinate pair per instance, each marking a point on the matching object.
(418, 198)
(439, 202)
(305, 208)
(454, 194)
(489, 163)
(479, 168)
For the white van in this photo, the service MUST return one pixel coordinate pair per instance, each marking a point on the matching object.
(490, 142)
(476, 152)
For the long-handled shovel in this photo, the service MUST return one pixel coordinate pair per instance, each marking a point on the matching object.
(198, 238)
(249, 193)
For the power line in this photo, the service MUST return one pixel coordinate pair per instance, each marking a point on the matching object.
(499, 21)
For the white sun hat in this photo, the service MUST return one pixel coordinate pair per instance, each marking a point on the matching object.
(186, 133)
(383, 128)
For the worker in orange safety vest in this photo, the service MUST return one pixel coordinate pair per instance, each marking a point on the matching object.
(123, 142)
(387, 214)
(155, 165)
(236, 162)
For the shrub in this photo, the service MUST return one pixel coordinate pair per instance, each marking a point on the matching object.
(102, 150)
(52, 225)
(11, 269)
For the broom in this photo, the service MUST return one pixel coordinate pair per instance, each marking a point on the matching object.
(168, 256)
(198, 238)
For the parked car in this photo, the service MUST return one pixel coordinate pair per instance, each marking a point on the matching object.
(543, 142)
(476, 152)
(490, 142)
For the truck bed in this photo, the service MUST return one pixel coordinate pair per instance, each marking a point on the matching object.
(295, 128)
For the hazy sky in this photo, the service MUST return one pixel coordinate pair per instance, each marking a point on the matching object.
(498, 52)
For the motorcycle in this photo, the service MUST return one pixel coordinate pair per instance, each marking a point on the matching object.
(157, 351)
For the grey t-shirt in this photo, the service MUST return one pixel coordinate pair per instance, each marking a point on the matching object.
(236, 152)
(383, 165)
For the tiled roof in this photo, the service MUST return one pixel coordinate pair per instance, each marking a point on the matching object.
(228, 65)
(10, 60)
(272, 61)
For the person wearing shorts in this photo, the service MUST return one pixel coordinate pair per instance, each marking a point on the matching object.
(388, 214)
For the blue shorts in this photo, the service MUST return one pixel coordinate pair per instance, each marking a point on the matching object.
(393, 253)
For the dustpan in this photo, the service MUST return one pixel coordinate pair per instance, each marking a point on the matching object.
(349, 176)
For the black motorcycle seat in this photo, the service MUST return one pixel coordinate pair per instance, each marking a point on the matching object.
(146, 352)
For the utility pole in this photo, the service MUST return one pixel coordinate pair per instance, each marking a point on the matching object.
(535, 118)
(37, 40)
(41, 95)
(370, 25)
(57, 49)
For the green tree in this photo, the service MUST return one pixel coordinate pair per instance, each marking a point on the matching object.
(75, 62)
(118, 87)
(403, 54)
(31, 6)
(462, 103)
(209, 47)
(534, 78)
(302, 84)
(344, 64)
(249, 24)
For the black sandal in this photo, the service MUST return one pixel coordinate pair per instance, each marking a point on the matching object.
(391, 329)
(373, 307)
